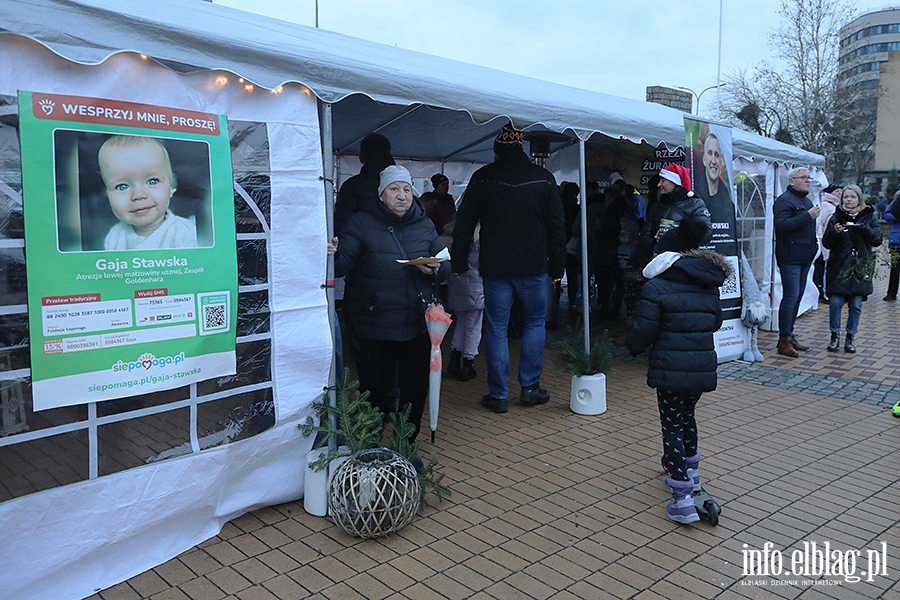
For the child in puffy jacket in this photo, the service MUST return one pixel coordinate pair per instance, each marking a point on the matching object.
(465, 297)
(677, 315)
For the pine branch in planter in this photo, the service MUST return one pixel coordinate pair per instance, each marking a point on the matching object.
(430, 480)
(361, 427)
(574, 360)
(359, 424)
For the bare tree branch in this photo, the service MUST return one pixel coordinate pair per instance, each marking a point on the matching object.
(797, 98)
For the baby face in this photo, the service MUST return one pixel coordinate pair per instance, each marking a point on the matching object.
(138, 182)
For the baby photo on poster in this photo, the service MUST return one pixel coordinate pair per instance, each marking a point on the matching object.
(131, 192)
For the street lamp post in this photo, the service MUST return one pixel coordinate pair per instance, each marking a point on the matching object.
(700, 95)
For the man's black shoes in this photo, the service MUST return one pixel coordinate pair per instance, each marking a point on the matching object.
(534, 395)
(495, 404)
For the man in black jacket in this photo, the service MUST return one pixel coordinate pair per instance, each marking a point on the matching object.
(361, 191)
(522, 240)
(357, 194)
(796, 245)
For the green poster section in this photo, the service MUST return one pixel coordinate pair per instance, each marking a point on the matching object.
(130, 244)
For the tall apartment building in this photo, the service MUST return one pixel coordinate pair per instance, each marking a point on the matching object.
(865, 43)
(865, 47)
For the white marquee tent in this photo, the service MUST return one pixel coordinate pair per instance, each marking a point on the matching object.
(98, 524)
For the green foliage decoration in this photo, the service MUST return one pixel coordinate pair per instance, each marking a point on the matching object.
(573, 359)
(860, 268)
(354, 422)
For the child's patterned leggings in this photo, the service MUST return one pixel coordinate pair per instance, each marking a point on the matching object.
(679, 429)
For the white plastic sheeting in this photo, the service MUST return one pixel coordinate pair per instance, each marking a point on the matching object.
(375, 87)
(766, 269)
(68, 541)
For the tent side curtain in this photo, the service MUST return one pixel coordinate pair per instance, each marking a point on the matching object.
(268, 52)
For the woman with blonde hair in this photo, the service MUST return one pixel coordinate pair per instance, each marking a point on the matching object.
(851, 235)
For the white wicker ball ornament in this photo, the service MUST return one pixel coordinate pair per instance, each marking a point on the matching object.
(374, 493)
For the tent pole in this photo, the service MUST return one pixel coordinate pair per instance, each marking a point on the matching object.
(585, 276)
(328, 180)
(773, 267)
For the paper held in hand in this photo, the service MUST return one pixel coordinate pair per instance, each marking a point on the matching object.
(442, 255)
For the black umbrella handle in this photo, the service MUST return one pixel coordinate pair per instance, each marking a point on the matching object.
(437, 283)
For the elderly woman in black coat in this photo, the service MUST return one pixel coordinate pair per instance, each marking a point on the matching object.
(385, 300)
(678, 313)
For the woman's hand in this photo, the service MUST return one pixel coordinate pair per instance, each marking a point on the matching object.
(332, 247)
(838, 228)
(429, 268)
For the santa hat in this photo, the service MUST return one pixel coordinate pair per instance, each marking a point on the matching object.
(678, 175)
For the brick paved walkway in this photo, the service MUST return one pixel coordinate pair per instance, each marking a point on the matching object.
(549, 504)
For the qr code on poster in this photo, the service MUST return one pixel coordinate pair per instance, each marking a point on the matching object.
(214, 317)
(214, 310)
(731, 288)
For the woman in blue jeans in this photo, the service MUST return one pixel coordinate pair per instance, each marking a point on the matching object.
(851, 234)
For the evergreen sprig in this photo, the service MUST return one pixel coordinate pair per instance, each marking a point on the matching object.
(354, 422)
(429, 479)
(352, 419)
(860, 268)
(573, 359)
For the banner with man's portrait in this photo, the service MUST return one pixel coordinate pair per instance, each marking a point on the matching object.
(709, 157)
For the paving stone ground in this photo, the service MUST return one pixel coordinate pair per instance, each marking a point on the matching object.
(548, 504)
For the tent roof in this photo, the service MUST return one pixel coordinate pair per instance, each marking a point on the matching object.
(372, 86)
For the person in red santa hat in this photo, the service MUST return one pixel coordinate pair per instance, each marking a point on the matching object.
(675, 202)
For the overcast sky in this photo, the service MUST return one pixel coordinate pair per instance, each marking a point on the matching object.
(613, 46)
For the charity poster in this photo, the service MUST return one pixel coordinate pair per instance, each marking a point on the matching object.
(709, 157)
(130, 239)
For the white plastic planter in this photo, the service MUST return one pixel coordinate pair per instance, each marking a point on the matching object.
(315, 486)
(317, 483)
(334, 465)
(588, 394)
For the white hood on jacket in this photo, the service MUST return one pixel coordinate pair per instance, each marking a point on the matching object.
(660, 264)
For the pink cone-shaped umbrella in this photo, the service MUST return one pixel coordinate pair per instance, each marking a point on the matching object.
(438, 322)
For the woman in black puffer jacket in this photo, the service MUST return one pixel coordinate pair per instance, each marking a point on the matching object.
(675, 202)
(678, 314)
(851, 234)
(386, 300)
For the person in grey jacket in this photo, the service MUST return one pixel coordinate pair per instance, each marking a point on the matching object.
(796, 245)
(465, 297)
(386, 300)
(678, 314)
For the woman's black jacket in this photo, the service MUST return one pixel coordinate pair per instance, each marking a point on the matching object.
(851, 264)
(384, 299)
